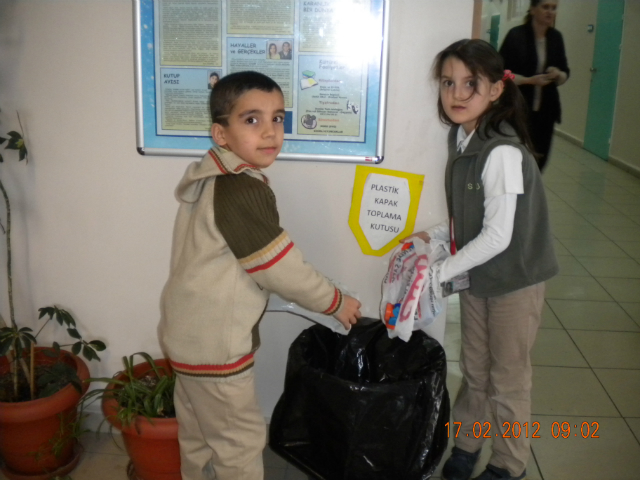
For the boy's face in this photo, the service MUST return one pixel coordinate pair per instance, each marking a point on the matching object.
(255, 129)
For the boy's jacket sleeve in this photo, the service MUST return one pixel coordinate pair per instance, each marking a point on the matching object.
(245, 213)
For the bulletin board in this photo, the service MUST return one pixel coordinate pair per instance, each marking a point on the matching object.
(329, 57)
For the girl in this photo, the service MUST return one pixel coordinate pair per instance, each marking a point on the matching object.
(499, 232)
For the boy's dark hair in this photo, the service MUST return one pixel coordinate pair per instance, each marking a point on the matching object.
(481, 59)
(230, 88)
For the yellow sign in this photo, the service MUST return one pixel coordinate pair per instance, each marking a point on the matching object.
(383, 208)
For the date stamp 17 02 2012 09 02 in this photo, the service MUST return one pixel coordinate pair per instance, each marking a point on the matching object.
(516, 430)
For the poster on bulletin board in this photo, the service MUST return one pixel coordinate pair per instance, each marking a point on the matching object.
(329, 57)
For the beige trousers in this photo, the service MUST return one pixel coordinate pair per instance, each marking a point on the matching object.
(221, 429)
(497, 336)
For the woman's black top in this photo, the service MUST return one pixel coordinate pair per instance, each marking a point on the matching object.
(519, 53)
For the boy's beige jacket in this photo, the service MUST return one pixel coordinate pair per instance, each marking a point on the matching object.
(229, 252)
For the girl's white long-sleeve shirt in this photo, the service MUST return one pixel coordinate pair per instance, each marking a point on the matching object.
(503, 182)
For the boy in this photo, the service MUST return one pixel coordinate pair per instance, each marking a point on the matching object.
(228, 254)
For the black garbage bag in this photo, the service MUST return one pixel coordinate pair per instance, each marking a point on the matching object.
(363, 406)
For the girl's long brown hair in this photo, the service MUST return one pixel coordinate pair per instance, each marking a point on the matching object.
(482, 60)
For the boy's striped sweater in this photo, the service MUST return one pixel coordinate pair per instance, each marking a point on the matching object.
(229, 252)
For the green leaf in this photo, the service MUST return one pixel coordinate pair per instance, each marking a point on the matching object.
(1, 159)
(88, 352)
(76, 348)
(74, 333)
(56, 347)
(98, 345)
(45, 311)
(68, 319)
(23, 152)
(2, 140)
(5, 345)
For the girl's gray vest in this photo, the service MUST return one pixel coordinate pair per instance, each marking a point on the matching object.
(529, 258)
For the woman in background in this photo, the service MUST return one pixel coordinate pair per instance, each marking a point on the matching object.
(535, 53)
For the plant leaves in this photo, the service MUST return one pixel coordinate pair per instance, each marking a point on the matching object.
(74, 333)
(98, 345)
(76, 348)
(5, 345)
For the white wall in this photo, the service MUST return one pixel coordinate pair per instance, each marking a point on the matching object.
(93, 219)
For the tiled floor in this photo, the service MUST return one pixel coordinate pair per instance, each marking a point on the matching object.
(587, 355)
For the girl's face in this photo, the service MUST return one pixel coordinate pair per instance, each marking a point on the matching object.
(465, 98)
(545, 13)
(273, 49)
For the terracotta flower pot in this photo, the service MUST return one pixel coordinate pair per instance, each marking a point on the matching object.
(29, 430)
(152, 446)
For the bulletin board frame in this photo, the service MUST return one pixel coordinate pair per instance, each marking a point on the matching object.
(335, 98)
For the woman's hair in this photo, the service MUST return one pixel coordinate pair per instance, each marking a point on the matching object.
(274, 46)
(482, 60)
(528, 17)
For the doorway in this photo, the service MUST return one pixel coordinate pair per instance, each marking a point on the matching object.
(604, 77)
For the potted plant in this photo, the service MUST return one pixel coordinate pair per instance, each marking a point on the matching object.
(40, 388)
(138, 401)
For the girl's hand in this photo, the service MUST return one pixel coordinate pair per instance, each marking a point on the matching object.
(424, 236)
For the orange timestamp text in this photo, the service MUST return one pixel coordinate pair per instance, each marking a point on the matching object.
(517, 430)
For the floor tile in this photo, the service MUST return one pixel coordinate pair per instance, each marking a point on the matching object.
(97, 466)
(272, 459)
(609, 349)
(556, 348)
(634, 424)
(588, 248)
(560, 249)
(588, 315)
(454, 379)
(633, 309)
(602, 221)
(565, 391)
(575, 288)
(549, 318)
(631, 248)
(453, 309)
(622, 198)
(271, 473)
(103, 443)
(573, 218)
(293, 473)
(621, 289)
(610, 267)
(615, 455)
(623, 386)
(569, 265)
(560, 207)
(593, 207)
(452, 341)
(621, 234)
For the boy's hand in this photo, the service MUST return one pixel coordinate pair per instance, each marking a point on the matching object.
(424, 236)
(349, 313)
